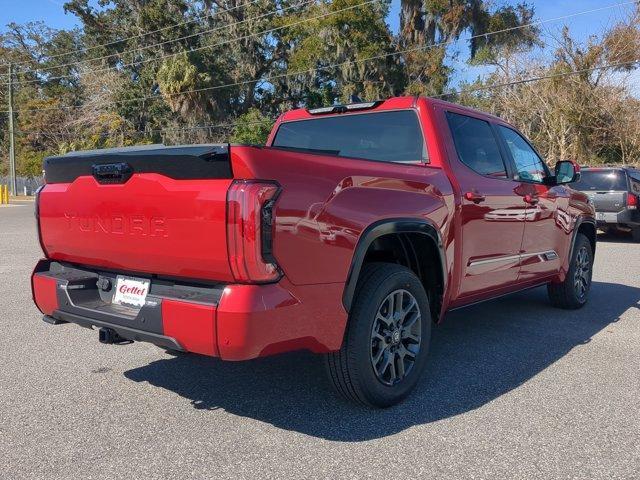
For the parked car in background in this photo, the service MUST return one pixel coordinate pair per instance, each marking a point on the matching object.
(349, 234)
(614, 192)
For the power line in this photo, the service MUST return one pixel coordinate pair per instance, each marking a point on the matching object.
(203, 47)
(454, 92)
(543, 77)
(211, 15)
(336, 65)
(159, 44)
(150, 131)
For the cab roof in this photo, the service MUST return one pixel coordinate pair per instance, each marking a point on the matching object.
(393, 103)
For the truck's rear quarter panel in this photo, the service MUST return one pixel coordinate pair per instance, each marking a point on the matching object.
(325, 205)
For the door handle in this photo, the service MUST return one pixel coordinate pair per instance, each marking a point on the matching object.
(531, 200)
(112, 172)
(474, 197)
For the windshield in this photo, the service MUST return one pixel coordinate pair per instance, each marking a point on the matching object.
(393, 136)
(603, 180)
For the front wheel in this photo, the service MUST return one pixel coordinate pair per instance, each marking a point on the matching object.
(387, 338)
(574, 291)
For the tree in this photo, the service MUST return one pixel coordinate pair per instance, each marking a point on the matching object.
(429, 27)
(190, 71)
(332, 54)
(252, 127)
(589, 116)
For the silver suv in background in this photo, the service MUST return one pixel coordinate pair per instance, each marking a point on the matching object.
(614, 192)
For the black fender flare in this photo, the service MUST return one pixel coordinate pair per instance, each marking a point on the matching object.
(579, 221)
(386, 227)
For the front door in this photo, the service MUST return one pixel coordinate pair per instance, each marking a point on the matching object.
(492, 214)
(548, 223)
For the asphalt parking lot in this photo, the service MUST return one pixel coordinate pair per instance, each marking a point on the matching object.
(514, 389)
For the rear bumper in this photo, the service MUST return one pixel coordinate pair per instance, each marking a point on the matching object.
(233, 322)
(124, 332)
(624, 217)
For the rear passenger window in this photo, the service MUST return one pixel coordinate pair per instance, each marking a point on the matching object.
(392, 136)
(476, 145)
(634, 176)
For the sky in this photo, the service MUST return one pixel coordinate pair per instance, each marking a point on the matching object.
(52, 13)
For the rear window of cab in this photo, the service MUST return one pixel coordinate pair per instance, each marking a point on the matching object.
(390, 136)
(602, 180)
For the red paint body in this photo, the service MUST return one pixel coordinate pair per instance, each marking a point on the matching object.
(155, 225)
(194, 326)
(44, 293)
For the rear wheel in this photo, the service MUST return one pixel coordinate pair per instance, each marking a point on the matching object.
(574, 291)
(635, 234)
(387, 339)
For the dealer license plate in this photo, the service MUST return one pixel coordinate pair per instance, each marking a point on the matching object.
(131, 291)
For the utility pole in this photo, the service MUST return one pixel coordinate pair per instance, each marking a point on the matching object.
(12, 149)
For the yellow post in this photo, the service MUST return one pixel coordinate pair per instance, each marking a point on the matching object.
(5, 194)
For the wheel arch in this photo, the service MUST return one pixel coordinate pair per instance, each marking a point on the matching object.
(405, 231)
(586, 226)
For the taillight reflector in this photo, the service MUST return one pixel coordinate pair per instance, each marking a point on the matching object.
(249, 227)
(632, 200)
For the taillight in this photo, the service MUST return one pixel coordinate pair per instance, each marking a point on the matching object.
(36, 211)
(250, 230)
(632, 201)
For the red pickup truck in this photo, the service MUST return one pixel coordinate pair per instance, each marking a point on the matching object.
(353, 230)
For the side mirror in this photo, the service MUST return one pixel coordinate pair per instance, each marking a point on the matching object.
(567, 171)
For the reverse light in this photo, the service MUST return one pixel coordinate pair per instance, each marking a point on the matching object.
(250, 231)
(632, 201)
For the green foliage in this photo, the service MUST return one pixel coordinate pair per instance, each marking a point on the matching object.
(252, 128)
(29, 162)
(178, 75)
(338, 45)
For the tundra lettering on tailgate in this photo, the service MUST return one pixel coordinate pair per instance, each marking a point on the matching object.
(119, 224)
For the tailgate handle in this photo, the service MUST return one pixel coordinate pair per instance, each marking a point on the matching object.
(112, 172)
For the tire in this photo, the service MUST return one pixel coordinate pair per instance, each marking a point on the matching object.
(377, 347)
(573, 292)
(635, 234)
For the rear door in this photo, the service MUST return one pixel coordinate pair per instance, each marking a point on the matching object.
(492, 214)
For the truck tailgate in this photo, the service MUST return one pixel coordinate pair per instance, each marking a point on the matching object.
(160, 220)
(608, 201)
